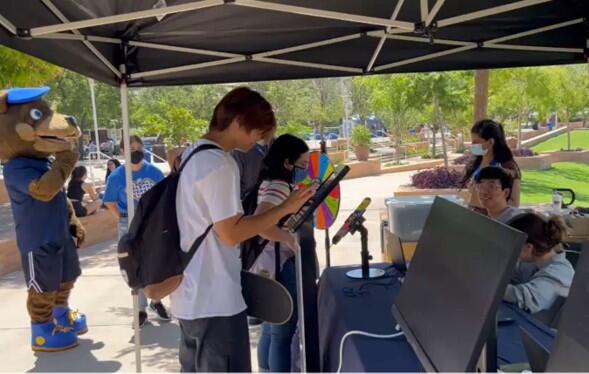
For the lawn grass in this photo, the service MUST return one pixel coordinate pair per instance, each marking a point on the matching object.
(579, 139)
(537, 185)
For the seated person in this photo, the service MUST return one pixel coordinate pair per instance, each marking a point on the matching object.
(111, 166)
(543, 273)
(76, 190)
(494, 189)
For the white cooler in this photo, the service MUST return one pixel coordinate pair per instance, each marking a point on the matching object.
(407, 215)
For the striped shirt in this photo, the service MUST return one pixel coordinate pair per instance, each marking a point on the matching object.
(273, 192)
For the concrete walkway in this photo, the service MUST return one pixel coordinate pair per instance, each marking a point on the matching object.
(102, 295)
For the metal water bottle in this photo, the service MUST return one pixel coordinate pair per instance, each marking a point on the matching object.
(556, 200)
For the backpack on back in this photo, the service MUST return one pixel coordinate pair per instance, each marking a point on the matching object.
(149, 254)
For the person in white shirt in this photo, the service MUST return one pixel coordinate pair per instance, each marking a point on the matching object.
(208, 303)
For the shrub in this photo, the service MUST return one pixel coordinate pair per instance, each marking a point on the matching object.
(437, 178)
(360, 136)
(462, 160)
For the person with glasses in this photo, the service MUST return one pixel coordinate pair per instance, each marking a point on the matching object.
(494, 187)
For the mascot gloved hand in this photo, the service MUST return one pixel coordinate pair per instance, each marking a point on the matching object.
(45, 224)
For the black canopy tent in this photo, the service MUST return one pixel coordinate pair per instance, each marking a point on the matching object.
(144, 43)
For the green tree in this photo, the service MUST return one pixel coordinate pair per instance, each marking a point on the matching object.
(70, 95)
(569, 90)
(20, 70)
(515, 93)
(175, 125)
(393, 99)
(443, 95)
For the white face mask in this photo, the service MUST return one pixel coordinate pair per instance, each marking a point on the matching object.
(477, 150)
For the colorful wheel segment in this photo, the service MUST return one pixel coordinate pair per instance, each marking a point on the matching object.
(320, 168)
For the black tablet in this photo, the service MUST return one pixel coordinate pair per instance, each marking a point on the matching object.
(297, 219)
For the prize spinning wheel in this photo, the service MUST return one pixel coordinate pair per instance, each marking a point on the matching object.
(320, 168)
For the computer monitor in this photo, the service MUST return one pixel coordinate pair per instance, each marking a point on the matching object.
(536, 352)
(459, 272)
(570, 352)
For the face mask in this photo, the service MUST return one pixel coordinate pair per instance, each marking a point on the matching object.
(136, 157)
(298, 175)
(477, 150)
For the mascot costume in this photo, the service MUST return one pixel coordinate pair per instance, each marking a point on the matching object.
(47, 231)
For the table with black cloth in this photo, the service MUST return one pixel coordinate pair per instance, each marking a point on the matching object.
(346, 304)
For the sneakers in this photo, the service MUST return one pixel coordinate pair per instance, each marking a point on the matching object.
(49, 337)
(160, 309)
(156, 307)
(142, 319)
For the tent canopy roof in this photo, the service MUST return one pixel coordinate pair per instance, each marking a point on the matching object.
(172, 42)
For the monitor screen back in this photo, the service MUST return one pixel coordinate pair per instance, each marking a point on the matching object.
(570, 352)
(457, 278)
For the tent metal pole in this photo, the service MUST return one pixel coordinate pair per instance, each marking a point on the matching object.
(77, 25)
(326, 14)
(88, 45)
(434, 12)
(7, 25)
(186, 67)
(95, 117)
(130, 209)
(383, 37)
(534, 48)
(426, 57)
(423, 7)
(343, 69)
(535, 31)
(489, 12)
(308, 46)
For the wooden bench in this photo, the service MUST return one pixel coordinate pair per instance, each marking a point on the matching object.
(100, 227)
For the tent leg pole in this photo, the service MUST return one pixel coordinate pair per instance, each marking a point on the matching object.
(130, 211)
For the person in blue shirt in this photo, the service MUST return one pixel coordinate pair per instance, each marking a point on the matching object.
(145, 176)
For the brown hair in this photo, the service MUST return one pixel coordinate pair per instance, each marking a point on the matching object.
(247, 106)
(543, 234)
(132, 139)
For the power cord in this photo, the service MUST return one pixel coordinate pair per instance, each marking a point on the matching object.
(363, 333)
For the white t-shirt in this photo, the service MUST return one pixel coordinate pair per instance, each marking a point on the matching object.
(273, 192)
(208, 192)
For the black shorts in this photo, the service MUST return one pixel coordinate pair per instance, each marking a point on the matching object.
(46, 268)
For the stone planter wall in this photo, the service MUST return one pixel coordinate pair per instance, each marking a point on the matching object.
(100, 227)
(337, 157)
(411, 167)
(363, 169)
(572, 156)
(540, 162)
(3, 193)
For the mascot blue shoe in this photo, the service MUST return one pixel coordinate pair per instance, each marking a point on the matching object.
(69, 318)
(49, 337)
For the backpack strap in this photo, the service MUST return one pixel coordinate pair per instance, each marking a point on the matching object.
(198, 241)
(202, 147)
(276, 259)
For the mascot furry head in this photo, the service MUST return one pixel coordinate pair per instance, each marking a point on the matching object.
(29, 128)
(30, 132)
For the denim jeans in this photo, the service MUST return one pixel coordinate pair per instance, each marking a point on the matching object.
(274, 346)
(123, 227)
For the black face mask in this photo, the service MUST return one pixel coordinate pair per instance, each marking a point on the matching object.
(136, 157)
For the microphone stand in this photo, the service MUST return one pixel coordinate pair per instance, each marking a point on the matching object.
(365, 271)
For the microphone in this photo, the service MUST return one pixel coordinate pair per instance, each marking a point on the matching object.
(345, 229)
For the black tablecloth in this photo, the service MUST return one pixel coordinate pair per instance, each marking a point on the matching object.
(346, 304)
